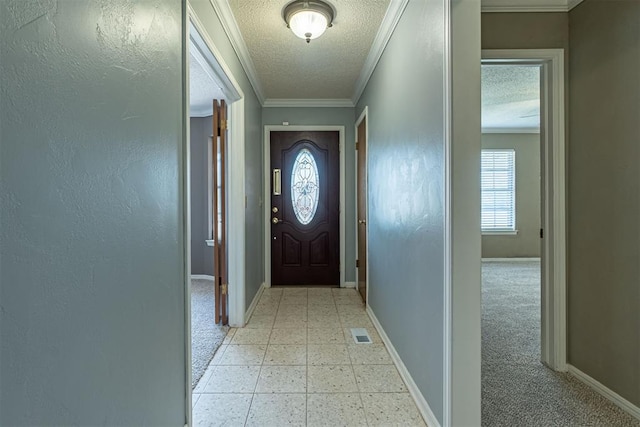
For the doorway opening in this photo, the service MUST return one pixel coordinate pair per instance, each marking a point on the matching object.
(523, 227)
(362, 250)
(214, 216)
(287, 150)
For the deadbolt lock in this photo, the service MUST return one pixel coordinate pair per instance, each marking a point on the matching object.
(274, 209)
(275, 220)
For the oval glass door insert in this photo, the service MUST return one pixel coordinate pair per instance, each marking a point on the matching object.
(305, 187)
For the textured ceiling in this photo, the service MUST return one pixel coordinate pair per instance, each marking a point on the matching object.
(328, 67)
(510, 97)
(202, 89)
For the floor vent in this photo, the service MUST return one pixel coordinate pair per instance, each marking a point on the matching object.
(360, 336)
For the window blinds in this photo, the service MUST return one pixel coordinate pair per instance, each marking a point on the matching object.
(498, 190)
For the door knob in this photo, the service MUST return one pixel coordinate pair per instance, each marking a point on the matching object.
(362, 221)
(274, 209)
(275, 220)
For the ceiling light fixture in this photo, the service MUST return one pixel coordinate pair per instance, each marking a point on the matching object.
(308, 19)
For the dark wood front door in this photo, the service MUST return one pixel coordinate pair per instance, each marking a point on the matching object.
(305, 208)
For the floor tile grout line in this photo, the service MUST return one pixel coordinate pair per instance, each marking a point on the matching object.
(255, 388)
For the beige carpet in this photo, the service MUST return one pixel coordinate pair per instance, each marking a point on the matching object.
(206, 336)
(517, 390)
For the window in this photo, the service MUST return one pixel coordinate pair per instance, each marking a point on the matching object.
(304, 186)
(498, 190)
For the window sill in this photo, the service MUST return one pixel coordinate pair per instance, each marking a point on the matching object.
(500, 233)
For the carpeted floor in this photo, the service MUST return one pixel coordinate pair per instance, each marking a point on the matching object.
(517, 390)
(206, 336)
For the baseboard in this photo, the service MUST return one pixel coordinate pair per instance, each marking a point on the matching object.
(252, 307)
(606, 392)
(514, 259)
(421, 402)
(350, 285)
(202, 277)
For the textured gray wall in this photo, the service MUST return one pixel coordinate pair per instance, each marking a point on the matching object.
(405, 96)
(329, 116)
(527, 242)
(201, 129)
(604, 194)
(92, 271)
(254, 253)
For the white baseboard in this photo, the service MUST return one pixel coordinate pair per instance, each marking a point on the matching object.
(252, 307)
(605, 391)
(350, 285)
(202, 277)
(421, 402)
(515, 259)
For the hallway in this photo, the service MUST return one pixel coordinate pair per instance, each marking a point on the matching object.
(296, 363)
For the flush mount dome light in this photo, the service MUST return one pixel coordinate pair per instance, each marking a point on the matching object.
(308, 19)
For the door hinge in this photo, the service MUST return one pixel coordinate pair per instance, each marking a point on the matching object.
(224, 288)
(542, 233)
(357, 145)
(357, 263)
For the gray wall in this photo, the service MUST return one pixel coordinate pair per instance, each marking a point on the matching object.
(602, 66)
(525, 30)
(201, 129)
(405, 96)
(604, 194)
(92, 265)
(329, 116)
(254, 254)
(527, 242)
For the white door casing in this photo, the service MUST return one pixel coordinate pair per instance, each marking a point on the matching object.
(552, 120)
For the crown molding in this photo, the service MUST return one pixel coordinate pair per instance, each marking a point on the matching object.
(510, 130)
(569, 4)
(523, 9)
(283, 102)
(573, 3)
(223, 10)
(388, 25)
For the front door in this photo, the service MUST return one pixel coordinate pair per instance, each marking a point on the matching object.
(305, 208)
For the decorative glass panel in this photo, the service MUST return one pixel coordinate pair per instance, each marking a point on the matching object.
(305, 186)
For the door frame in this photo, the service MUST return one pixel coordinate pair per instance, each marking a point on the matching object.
(553, 339)
(210, 58)
(266, 155)
(363, 115)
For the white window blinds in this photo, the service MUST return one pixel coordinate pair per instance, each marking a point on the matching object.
(498, 190)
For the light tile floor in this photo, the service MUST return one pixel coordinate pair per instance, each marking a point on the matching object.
(296, 364)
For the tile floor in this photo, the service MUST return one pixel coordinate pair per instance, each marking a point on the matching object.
(295, 363)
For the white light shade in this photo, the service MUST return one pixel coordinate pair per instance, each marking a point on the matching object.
(307, 22)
